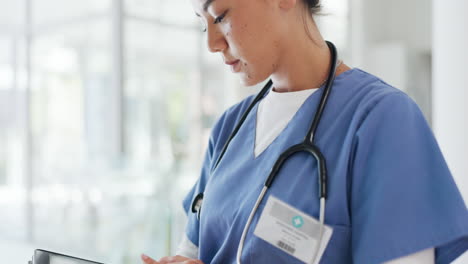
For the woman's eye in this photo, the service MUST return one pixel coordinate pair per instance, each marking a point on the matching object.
(220, 18)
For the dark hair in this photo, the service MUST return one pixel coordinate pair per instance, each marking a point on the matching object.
(314, 6)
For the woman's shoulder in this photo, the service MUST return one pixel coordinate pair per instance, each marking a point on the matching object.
(367, 87)
(364, 92)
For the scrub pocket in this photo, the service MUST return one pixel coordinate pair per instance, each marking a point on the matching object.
(338, 249)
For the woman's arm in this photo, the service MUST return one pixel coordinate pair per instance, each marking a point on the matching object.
(187, 248)
(170, 259)
(422, 257)
(187, 253)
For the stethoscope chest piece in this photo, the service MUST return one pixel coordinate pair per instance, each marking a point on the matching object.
(196, 205)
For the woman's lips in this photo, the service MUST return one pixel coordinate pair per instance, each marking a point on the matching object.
(235, 65)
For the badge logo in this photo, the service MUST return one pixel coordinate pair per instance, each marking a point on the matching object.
(297, 221)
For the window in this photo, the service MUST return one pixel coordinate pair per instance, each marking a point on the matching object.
(110, 104)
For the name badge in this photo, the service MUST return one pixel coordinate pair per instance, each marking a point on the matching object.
(292, 230)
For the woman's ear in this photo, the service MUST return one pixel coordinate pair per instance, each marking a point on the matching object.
(287, 4)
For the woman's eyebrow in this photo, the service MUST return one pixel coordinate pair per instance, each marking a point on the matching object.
(205, 6)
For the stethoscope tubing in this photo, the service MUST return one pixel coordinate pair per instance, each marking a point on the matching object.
(306, 146)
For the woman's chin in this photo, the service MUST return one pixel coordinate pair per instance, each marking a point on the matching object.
(249, 80)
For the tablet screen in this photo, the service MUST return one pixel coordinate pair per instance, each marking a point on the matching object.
(48, 257)
(57, 259)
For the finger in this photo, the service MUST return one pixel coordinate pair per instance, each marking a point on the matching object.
(173, 259)
(192, 261)
(148, 260)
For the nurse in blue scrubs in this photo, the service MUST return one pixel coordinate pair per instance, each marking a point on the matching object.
(391, 197)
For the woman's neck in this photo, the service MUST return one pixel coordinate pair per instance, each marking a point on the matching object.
(305, 61)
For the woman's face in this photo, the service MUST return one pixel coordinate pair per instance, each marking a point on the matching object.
(246, 33)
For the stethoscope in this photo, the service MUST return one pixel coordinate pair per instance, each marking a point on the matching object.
(307, 145)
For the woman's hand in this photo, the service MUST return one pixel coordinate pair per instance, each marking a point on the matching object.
(172, 259)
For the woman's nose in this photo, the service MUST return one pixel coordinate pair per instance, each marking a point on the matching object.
(216, 41)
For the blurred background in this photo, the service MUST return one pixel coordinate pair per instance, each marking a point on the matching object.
(106, 107)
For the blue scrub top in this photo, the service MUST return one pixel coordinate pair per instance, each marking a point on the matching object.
(391, 193)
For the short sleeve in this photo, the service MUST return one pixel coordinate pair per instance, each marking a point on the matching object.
(219, 134)
(192, 227)
(403, 196)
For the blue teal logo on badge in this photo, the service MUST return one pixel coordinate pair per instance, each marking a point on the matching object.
(297, 221)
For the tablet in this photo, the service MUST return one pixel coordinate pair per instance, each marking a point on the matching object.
(47, 257)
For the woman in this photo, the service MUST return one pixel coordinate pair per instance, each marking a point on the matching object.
(391, 197)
